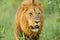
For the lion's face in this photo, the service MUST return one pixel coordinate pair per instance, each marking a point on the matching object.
(33, 16)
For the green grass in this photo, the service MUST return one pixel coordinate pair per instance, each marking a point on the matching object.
(51, 28)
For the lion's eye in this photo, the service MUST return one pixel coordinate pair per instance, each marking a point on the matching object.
(30, 14)
(38, 13)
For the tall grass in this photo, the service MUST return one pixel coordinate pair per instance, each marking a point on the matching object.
(51, 28)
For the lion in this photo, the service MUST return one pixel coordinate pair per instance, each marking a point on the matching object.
(29, 20)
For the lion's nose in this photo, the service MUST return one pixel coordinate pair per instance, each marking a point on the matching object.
(37, 22)
(36, 26)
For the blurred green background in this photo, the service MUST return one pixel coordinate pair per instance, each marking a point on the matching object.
(51, 28)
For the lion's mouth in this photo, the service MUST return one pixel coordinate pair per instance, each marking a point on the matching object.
(35, 28)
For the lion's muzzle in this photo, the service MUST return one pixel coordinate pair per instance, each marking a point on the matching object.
(35, 28)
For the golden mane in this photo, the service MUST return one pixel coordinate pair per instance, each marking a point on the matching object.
(21, 22)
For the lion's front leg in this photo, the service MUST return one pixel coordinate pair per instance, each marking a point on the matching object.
(26, 37)
(17, 32)
(34, 37)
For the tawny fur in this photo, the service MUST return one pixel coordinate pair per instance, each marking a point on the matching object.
(21, 23)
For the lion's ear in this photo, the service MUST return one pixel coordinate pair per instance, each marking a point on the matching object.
(22, 8)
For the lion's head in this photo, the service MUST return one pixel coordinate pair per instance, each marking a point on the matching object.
(31, 18)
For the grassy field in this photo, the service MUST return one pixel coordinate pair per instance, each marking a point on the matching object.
(51, 28)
